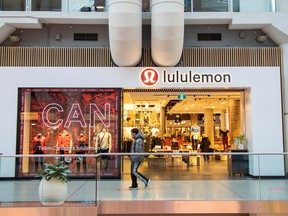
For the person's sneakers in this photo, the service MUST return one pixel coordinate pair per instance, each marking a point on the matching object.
(147, 183)
(133, 188)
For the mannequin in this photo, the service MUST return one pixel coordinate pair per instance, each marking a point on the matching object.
(103, 144)
(195, 131)
(39, 147)
(64, 145)
(146, 118)
(81, 148)
(224, 133)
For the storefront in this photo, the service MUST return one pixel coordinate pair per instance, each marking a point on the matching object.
(57, 99)
(68, 121)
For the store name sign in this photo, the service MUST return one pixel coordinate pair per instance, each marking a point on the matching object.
(75, 115)
(190, 77)
(150, 77)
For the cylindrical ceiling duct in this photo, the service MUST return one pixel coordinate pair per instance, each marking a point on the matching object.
(167, 36)
(125, 31)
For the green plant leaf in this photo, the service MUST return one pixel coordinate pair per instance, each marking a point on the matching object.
(58, 171)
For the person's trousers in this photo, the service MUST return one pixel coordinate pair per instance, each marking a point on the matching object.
(37, 161)
(206, 157)
(83, 159)
(65, 159)
(135, 174)
(194, 144)
(104, 158)
(225, 142)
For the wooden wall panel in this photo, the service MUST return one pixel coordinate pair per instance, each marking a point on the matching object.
(101, 57)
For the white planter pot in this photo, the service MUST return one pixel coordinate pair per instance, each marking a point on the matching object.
(241, 146)
(52, 192)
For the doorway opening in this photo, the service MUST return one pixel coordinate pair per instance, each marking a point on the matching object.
(173, 112)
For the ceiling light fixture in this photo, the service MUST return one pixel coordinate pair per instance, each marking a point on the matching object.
(146, 105)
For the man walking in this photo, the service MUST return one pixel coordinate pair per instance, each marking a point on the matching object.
(137, 147)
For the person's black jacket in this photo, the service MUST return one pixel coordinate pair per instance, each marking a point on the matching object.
(205, 144)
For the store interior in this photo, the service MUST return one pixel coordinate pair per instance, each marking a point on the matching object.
(169, 114)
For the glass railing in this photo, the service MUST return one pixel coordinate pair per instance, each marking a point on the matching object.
(175, 175)
(49, 180)
(182, 175)
(102, 6)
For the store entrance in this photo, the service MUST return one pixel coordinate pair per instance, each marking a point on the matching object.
(168, 116)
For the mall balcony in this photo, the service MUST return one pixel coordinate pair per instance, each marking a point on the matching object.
(182, 183)
(237, 14)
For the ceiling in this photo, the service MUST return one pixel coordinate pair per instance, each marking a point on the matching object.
(196, 100)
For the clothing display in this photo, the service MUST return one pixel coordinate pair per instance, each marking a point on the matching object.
(103, 140)
(39, 144)
(103, 143)
(39, 147)
(224, 133)
(195, 131)
(64, 142)
(64, 145)
(81, 148)
(70, 119)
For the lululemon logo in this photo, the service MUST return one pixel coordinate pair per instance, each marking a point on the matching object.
(149, 77)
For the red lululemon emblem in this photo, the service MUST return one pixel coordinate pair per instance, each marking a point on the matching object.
(149, 77)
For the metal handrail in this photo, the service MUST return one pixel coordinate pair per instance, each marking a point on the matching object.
(148, 153)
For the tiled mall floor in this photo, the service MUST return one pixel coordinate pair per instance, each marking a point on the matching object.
(84, 191)
(184, 183)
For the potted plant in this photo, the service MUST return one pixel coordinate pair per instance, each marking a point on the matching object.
(240, 141)
(53, 185)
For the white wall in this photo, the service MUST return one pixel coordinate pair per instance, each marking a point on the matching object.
(264, 135)
(263, 104)
(8, 116)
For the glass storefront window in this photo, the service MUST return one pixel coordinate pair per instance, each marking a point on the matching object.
(256, 5)
(146, 5)
(57, 121)
(12, 5)
(187, 5)
(236, 6)
(44, 5)
(210, 5)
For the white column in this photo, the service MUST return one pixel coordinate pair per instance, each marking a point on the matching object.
(163, 123)
(167, 31)
(223, 119)
(125, 31)
(285, 93)
(273, 5)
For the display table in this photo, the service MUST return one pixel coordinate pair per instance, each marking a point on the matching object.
(194, 160)
(238, 164)
(156, 162)
(176, 158)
